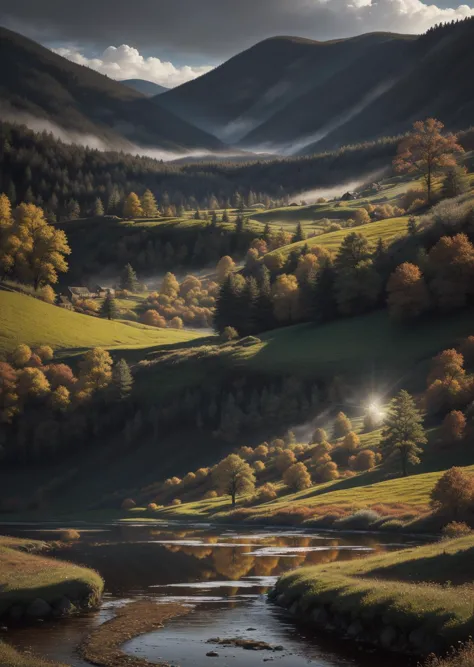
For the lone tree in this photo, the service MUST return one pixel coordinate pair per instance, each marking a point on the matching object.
(234, 476)
(426, 150)
(128, 279)
(453, 493)
(403, 432)
(342, 425)
(108, 308)
(122, 379)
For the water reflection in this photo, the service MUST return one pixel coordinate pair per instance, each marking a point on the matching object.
(223, 573)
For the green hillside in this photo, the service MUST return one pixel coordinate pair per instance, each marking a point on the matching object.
(24, 319)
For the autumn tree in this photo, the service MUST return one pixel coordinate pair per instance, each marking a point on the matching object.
(38, 249)
(8, 392)
(362, 216)
(321, 453)
(426, 151)
(128, 279)
(169, 285)
(234, 476)
(285, 291)
(285, 459)
(152, 318)
(6, 225)
(95, 371)
(453, 426)
(32, 383)
(261, 451)
(60, 375)
(453, 493)
(60, 399)
(451, 262)
(342, 425)
(351, 442)
(403, 431)
(407, 292)
(327, 472)
(148, 204)
(21, 355)
(447, 366)
(225, 266)
(98, 208)
(132, 207)
(122, 379)
(109, 308)
(364, 460)
(319, 435)
(297, 477)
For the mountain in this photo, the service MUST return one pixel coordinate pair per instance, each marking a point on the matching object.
(147, 88)
(300, 96)
(39, 87)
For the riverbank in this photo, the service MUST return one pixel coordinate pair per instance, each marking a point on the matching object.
(416, 601)
(104, 646)
(33, 586)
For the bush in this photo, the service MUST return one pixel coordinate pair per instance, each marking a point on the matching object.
(351, 441)
(327, 472)
(297, 477)
(210, 494)
(453, 493)
(365, 460)
(360, 520)
(392, 525)
(259, 466)
(453, 427)
(45, 353)
(266, 493)
(456, 529)
(342, 425)
(175, 502)
(152, 507)
(319, 436)
(229, 334)
(69, 535)
(285, 459)
(128, 504)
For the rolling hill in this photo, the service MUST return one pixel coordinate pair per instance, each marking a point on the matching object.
(299, 96)
(38, 86)
(147, 88)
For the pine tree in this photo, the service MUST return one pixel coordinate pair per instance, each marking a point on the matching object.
(324, 294)
(247, 305)
(267, 235)
(122, 379)
(412, 226)
(214, 219)
(108, 308)
(239, 225)
(225, 314)
(264, 314)
(299, 234)
(456, 182)
(98, 208)
(73, 209)
(129, 280)
(403, 432)
(225, 216)
(197, 215)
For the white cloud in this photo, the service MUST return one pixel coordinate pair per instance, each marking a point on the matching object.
(125, 62)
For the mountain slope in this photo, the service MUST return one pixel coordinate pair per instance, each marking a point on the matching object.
(297, 96)
(147, 88)
(35, 82)
(235, 98)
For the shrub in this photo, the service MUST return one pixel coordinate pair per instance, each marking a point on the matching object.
(351, 441)
(456, 529)
(45, 353)
(152, 507)
(262, 451)
(175, 502)
(128, 504)
(47, 294)
(259, 466)
(70, 535)
(153, 319)
(189, 479)
(246, 453)
(266, 493)
(327, 472)
(342, 425)
(210, 494)
(320, 453)
(285, 459)
(394, 525)
(201, 474)
(453, 493)
(319, 436)
(229, 334)
(364, 460)
(360, 520)
(453, 427)
(297, 477)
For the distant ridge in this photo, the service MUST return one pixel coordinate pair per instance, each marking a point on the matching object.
(148, 88)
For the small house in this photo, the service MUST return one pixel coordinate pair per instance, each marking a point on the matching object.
(349, 196)
(78, 293)
(64, 302)
(101, 292)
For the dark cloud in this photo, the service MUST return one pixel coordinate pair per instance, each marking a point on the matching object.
(209, 30)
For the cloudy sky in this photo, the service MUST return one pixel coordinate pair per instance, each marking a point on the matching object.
(172, 41)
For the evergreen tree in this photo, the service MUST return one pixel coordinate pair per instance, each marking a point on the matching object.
(299, 234)
(98, 208)
(214, 219)
(122, 379)
(73, 210)
(455, 182)
(412, 226)
(108, 308)
(149, 207)
(248, 303)
(11, 192)
(129, 280)
(264, 316)
(403, 431)
(239, 225)
(324, 294)
(267, 235)
(197, 215)
(225, 216)
(224, 315)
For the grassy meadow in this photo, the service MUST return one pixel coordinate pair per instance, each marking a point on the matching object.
(24, 319)
(407, 589)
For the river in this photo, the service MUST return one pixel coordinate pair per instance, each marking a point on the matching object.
(222, 573)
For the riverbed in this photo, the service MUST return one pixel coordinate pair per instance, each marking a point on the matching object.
(223, 574)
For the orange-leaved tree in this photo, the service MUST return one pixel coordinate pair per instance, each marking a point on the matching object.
(426, 150)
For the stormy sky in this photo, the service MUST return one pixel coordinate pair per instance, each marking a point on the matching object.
(172, 41)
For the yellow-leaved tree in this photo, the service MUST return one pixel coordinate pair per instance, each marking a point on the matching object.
(132, 207)
(6, 224)
(38, 249)
(233, 476)
(95, 371)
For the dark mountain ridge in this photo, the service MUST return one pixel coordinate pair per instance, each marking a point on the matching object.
(36, 82)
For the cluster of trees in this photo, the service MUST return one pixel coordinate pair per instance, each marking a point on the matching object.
(31, 250)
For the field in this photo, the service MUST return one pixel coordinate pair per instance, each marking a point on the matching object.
(405, 591)
(25, 577)
(24, 319)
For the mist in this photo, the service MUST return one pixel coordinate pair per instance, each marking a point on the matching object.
(334, 191)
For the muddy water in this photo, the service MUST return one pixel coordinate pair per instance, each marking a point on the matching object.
(222, 574)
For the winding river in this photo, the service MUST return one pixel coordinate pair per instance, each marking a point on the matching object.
(222, 573)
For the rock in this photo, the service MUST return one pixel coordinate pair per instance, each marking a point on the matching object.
(64, 607)
(422, 642)
(355, 629)
(251, 629)
(16, 612)
(39, 609)
(388, 636)
(319, 616)
(212, 654)
(294, 609)
(281, 600)
(278, 648)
